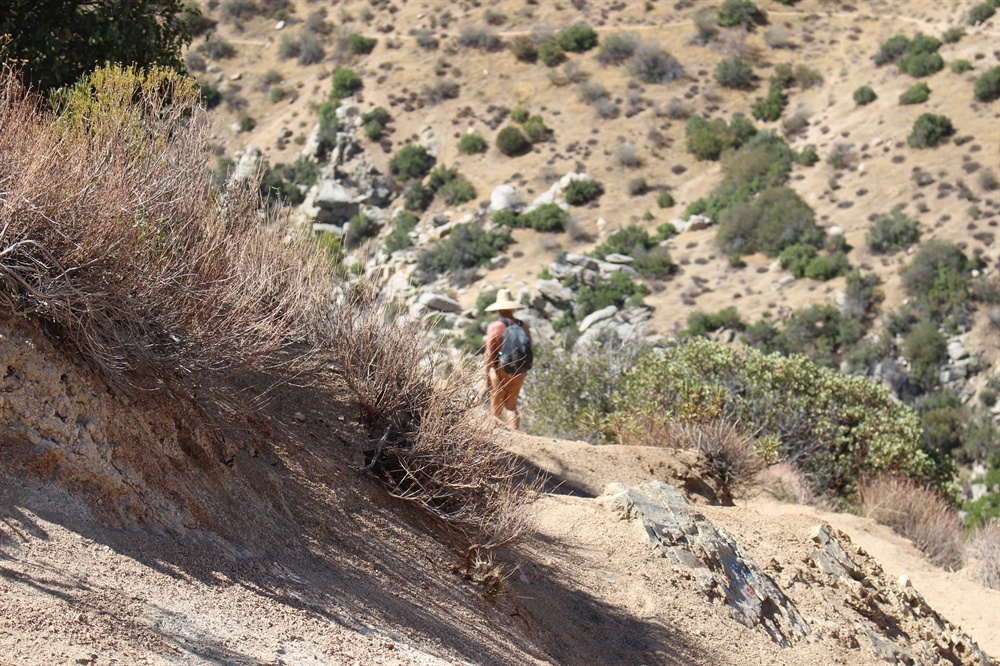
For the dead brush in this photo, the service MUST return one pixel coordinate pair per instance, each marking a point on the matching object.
(112, 237)
(728, 449)
(916, 513)
(431, 441)
(982, 551)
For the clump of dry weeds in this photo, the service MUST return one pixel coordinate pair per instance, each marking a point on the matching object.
(728, 448)
(982, 551)
(916, 513)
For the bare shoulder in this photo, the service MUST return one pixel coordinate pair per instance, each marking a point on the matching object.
(495, 327)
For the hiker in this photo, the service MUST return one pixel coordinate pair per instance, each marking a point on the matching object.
(508, 358)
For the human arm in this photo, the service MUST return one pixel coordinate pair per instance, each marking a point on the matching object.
(494, 342)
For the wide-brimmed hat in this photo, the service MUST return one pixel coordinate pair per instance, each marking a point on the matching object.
(504, 302)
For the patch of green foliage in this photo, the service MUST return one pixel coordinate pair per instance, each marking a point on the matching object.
(346, 82)
(577, 38)
(702, 323)
(471, 144)
(929, 130)
(740, 13)
(411, 162)
(665, 200)
(926, 349)
(918, 93)
(981, 12)
(399, 237)
(360, 45)
(580, 191)
(988, 85)
(551, 54)
(288, 182)
(360, 228)
(707, 140)
(734, 72)
(651, 260)
(617, 291)
(512, 142)
(893, 232)
(937, 281)
(864, 96)
(467, 246)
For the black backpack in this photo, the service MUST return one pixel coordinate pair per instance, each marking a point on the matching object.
(515, 355)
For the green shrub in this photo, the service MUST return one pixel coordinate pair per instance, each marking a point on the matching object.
(893, 232)
(864, 95)
(551, 54)
(512, 142)
(479, 37)
(988, 85)
(457, 191)
(734, 72)
(378, 114)
(577, 38)
(360, 45)
(651, 260)
(345, 83)
(580, 191)
(916, 94)
(818, 332)
(535, 129)
(740, 12)
(795, 258)
(665, 200)
(921, 64)
(411, 162)
(651, 64)
(981, 12)
(399, 237)
(360, 228)
(768, 223)
(926, 349)
(832, 427)
(472, 143)
(637, 187)
(929, 130)
(807, 157)
(617, 291)
(960, 66)
(826, 266)
(547, 218)
(770, 109)
(707, 139)
(417, 197)
(665, 231)
(702, 323)
(937, 281)
(891, 50)
(523, 48)
(617, 48)
(467, 246)
(953, 35)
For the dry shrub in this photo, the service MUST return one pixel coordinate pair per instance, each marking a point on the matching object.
(114, 239)
(784, 483)
(982, 552)
(728, 449)
(916, 513)
(432, 442)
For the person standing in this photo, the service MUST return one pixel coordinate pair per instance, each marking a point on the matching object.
(508, 358)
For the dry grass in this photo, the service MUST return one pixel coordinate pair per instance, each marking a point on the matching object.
(982, 552)
(431, 440)
(916, 513)
(728, 449)
(113, 237)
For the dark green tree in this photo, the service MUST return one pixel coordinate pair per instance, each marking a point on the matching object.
(60, 40)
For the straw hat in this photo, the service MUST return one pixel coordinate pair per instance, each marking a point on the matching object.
(504, 302)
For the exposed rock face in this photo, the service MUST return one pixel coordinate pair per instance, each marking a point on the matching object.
(675, 529)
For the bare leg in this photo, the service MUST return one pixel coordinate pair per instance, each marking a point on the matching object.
(511, 392)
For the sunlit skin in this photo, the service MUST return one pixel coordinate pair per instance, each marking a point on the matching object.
(503, 388)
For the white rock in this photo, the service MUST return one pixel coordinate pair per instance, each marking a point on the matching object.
(616, 258)
(279, 25)
(956, 350)
(835, 231)
(594, 317)
(504, 196)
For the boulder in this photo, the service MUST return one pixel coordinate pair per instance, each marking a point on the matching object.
(608, 269)
(336, 203)
(504, 196)
(556, 293)
(440, 303)
(956, 350)
(581, 261)
(538, 326)
(561, 271)
(616, 258)
(594, 317)
(247, 165)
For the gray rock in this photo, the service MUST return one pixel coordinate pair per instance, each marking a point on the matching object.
(589, 277)
(537, 325)
(336, 203)
(561, 271)
(440, 303)
(956, 350)
(597, 332)
(594, 317)
(555, 292)
(247, 165)
(607, 270)
(616, 258)
(581, 260)
(678, 532)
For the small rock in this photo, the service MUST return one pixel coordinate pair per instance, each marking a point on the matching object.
(616, 258)
(279, 25)
(299, 416)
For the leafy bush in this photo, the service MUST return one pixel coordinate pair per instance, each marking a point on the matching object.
(651, 260)
(981, 12)
(665, 231)
(665, 199)
(938, 283)
(921, 64)
(864, 95)
(577, 38)
(916, 94)
(399, 237)
(580, 191)
(512, 142)
(536, 130)
(345, 83)
(360, 45)
(417, 197)
(551, 54)
(617, 48)
(893, 232)
(827, 266)
(637, 187)
(651, 64)
(548, 217)
(477, 37)
(795, 259)
(953, 35)
(807, 157)
(616, 291)
(929, 130)
(770, 108)
(832, 427)
(289, 181)
(472, 143)
(819, 332)
(702, 323)
(961, 66)
(523, 48)
(467, 246)
(988, 85)
(707, 139)
(774, 220)
(891, 50)
(411, 162)
(919, 514)
(734, 72)
(457, 191)
(740, 12)
(519, 115)
(360, 228)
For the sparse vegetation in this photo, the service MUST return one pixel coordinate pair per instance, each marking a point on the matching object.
(918, 93)
(651, 64)
(346, 82)
(577, 38)
(734, 72)
(893, 232)
(988, 85)
(411, 162)
(472, 143)
(864, 96)
(580, 191)
(929, 130)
